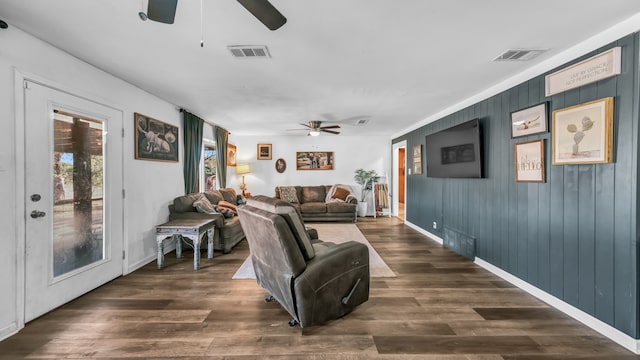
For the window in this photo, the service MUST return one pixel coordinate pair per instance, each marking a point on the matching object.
(209, 165)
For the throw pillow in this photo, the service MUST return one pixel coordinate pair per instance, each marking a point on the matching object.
(229, 194)
(204, 206)
(340, 193)
(226, 204)
(288, 194)
(225, 211)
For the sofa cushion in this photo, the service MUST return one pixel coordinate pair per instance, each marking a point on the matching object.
(288, 194)
(203, 205)
(313, 207)
(313, 194)
(340, 207)
(184, 203)
(228, 194)
(293, 218)
(214, 197)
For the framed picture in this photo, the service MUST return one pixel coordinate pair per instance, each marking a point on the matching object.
(417, 159)
(155, 140)
(231, 155)
(529, 161)
(583, 134)
(314, 160)
(532, 120)
(264, 151)
(281, 165)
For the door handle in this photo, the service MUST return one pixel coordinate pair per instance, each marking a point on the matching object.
(37, 214)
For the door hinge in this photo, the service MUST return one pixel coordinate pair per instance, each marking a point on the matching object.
(123, 193)
(122, 132)
(25, 84)
(123, 255)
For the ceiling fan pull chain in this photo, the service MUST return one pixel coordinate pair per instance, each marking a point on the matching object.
(201, 25)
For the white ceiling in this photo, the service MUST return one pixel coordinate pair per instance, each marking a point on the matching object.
(395, 63)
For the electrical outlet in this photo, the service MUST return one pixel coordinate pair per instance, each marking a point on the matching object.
(435, 225)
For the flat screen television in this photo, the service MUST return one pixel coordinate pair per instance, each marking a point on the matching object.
(455, 152)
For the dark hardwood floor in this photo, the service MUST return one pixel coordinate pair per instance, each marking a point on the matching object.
(440, 306)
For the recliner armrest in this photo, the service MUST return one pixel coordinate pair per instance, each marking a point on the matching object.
(335, 261)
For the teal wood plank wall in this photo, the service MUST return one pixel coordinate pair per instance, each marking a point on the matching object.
(574, 236)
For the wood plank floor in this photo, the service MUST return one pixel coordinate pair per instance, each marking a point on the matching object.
(440, 306)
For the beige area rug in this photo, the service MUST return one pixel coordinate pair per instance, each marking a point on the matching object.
(336, 233)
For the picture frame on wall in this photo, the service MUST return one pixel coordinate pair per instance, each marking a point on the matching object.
(417, 159)
(529, 161)
(583, 134)
(155, 140)
(314, 160)
(528, 121)
(232, 151)
(264, 151)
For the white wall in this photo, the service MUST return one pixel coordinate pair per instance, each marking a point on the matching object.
(150, 185)
(351, 153)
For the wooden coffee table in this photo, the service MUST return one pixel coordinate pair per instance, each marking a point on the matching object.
(192, 229)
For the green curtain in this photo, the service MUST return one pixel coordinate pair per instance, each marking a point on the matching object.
(222, 139)
(192, 151)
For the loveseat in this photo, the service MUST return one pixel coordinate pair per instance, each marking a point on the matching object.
(322, 202)
(228, 231)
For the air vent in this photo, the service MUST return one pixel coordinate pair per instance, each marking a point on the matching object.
(362, 121)
(249, 51)
(518, 55)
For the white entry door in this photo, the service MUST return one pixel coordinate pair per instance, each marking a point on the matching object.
(73, 169)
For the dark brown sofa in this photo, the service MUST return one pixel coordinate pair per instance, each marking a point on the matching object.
(228, 231)
(313, 204)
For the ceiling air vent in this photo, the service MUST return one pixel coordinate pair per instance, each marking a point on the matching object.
(518, 55)
(249, 51)
(362, 121)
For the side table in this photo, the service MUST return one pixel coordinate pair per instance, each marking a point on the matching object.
(192, 229)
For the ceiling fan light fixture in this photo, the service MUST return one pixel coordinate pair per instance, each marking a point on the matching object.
(314, 132)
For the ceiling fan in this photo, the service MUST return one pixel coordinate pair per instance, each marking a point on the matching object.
(315, 127)
(164, 11)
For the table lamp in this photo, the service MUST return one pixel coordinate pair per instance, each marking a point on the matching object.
(242, 169)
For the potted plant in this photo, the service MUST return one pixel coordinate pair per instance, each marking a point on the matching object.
(365, 178)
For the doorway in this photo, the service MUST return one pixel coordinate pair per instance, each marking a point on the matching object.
(399, 179)
(73, 197)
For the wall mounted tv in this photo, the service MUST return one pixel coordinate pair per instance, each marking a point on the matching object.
(455, 152)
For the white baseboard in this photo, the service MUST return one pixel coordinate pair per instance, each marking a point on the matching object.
(603, 328)
(424, 232)
(8, 330)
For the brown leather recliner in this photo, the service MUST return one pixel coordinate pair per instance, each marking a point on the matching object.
(315, 281)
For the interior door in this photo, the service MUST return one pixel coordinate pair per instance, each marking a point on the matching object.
(74, 222)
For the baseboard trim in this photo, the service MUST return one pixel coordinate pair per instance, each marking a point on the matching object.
(9, 330)
(424, 232)
(603, 328)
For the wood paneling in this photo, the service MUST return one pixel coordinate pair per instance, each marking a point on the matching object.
(573, 236)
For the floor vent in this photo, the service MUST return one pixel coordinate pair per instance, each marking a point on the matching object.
(460, 243)
(518, 55)
(249, 51)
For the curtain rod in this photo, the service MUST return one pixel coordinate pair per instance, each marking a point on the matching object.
(185, 110)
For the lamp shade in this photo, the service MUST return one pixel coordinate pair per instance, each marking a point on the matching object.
(242, 169)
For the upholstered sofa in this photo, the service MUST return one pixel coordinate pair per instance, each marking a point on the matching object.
(315, 281)
(228, 231)
(322, 202)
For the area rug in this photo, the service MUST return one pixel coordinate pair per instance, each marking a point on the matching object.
(336, 233)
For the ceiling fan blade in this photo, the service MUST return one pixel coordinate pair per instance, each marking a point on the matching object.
(265, 12)
(307, 125)
(297, 129)
(163, 11)
(330, 127)
(330, 131)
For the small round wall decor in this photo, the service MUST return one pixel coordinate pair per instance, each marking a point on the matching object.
(281, 165)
